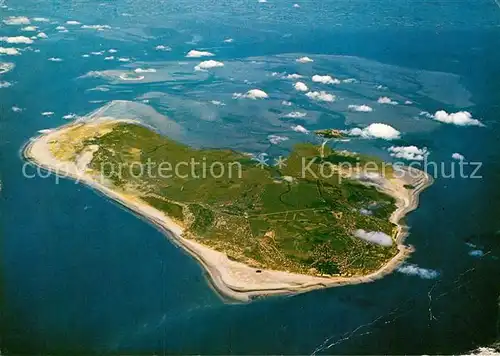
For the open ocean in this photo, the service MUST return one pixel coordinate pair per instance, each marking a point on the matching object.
(82, 275)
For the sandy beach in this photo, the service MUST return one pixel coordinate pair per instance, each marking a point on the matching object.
(231, 279)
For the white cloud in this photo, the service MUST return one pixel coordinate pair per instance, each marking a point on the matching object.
(376, 130)
(16, 109)
(426, 114)
(6, 67)
(386, 100)
(286, 103)
(253, 94)
(197, 54)
(275, 139)
(304, 60)
(70, 116)
(228, 40)
(408, 102)
(40, 19)
(163, 48)
(377, 237)
(325, 79)
(360, 108)
(218, 103)
(320, 96)
(61, 28)
(45, 131)
(17, 39)
(128, 77)
(5, 85)
(296, 115)
(296, 6)
(148, 70)
(112, 50)
(9, 51)
(97, 27)
(365, 212)
(100, 53)
(300, 128)
(108, 58)
(262, 1)
(461, 118)
(349, 80)
(458, 156)
(299, 86)
(476, 253)
(205, 65)
(414, 270)
(294, 76)
(47, 113)
(72, 22)
(17, 20)
(29, 28)
(409, 152)
(55, 59)
(42, 35)
(123, 59)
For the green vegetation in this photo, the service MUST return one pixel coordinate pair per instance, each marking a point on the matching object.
(263, 216)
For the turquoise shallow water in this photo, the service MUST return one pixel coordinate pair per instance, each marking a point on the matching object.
(80, 274)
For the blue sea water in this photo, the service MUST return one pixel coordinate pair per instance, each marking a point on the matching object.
(82, 275)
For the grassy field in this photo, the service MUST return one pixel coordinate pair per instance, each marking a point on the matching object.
(265, 217)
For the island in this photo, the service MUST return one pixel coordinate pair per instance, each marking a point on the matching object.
(315, 219)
